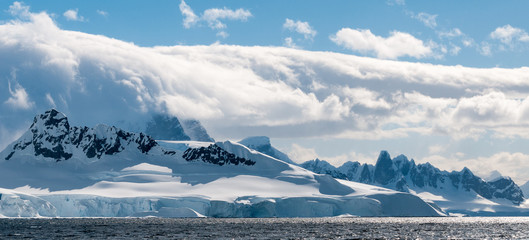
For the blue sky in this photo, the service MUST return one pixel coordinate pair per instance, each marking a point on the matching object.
(440, 81)
(149, 24)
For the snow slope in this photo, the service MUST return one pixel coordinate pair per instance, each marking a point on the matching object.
(171, 179)
(455, 192)
(262, 144)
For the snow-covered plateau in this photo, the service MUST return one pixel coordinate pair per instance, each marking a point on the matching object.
(55, 170)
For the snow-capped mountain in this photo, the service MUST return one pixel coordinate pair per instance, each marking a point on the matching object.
(262, 144)
(55, 169)
(525, 188)
(425, 180)
(50, 137)
(165, 127)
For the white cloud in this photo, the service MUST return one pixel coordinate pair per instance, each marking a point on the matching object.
(214, 17)
(508, 34)
(19, 98)
(190, 18)
(454, 50)
(269, 90)
(485, 49)
(398, 44)
(365, 97)
(453, 33)
(290, 43)
(223, 34)
(300, 27)
(50, 100)
(19, 9)
(428, 20)
(435, 149)
(102, 13)
(301, 154)
(72, 15)
(396, 2)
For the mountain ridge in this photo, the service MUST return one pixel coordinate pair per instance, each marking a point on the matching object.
(404, 175)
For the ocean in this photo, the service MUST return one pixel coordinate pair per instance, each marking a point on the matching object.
(267, 228)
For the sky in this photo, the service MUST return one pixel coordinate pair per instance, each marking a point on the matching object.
(445, 82)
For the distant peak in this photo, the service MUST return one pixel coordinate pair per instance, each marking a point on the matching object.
(256, 141)
(383, 156)
(51, 119)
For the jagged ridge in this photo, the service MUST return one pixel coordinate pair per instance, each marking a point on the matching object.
(51, 136)
(402, 174)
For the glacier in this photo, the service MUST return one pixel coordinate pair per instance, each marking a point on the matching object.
(56, 170)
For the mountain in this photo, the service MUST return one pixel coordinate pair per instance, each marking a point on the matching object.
(525, 188)
(165, 127)
(50, 137)
(55, 169)
(262, 144)
(456, 191)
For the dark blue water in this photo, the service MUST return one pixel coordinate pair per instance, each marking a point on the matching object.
(284, 228)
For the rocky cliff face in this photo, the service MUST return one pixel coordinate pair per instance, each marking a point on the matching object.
(51, 137)
(215, 155)
(402, 174)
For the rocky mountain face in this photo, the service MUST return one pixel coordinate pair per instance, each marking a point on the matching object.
(215, 155)
(402, 175)
(165, 127)
(262, 144)
(51, 137)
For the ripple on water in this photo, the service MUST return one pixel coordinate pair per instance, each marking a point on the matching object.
(262, 228)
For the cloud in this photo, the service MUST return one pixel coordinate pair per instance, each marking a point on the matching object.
(102, 13)
(72, 15)
(452, 33)
(190, 18)
(223, 34)
(301, 154)
(300, 27)
(396, 2)
(241, 90)
(428, 20)
(398, 44)
(19, 9)
(290, 43)
(485, 49)
(366, 98)
(19, 98)
(214, 17)
(508, 35)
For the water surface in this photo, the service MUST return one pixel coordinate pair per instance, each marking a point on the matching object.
(267, 228)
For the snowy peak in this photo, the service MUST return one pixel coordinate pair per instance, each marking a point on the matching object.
(165, 127)
(256, 141)
(384, 169)
(402, 174)
(262, 144)
(51, 137)
(196, 131)
(51, 123)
